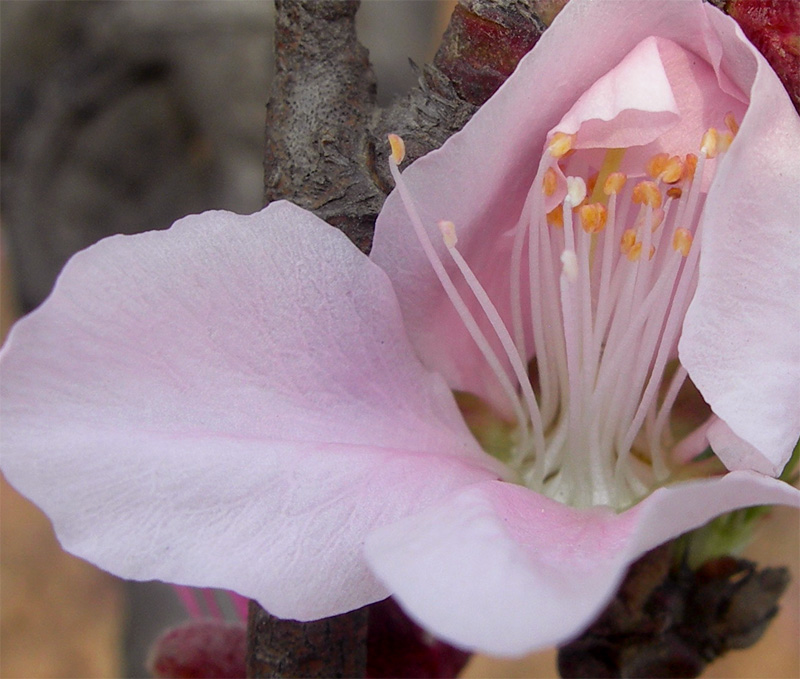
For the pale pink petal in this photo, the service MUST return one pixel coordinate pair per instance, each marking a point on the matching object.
(736, 453)
(741, 336)
(480, 178)
(232, 403)
(631, 105)
(500, 569)
(699, 96)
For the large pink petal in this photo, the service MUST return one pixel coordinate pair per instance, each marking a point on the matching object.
(232, 402)
(741, 336)
(503, 570)
(480, 177)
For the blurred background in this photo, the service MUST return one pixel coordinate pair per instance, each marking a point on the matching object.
(121, 116)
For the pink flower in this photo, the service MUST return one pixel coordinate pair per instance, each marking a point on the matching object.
(250, 403)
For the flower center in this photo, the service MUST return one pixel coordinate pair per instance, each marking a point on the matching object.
(603, 267)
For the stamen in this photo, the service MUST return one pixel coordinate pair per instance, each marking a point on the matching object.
(614, 183)
(593, 217)
(610, 166)
(656, 218)
(655, 166)
(647, 193)
(555, 217)
(576, 190)
(549, 182)
(560, 144)
(591, 183)
(398, 148)
(710, 142)
(627, 241)
(673, 171)
(664, 410)
(602, 330)
(634, 252)
(455, 297)
(731, 124)
(569, 262)
(689, 167)
(448, 230)
(682, 241)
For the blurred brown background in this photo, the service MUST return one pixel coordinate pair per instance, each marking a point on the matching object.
(122, 116)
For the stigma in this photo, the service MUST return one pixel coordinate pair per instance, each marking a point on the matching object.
(603, 266)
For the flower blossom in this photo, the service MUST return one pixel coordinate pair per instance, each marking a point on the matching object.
(249, 402)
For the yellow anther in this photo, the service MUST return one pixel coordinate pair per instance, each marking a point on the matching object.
(724, 142)
(398, 148)
(731, 124)
(448, 231)
(560, 144)
(555, 217)
(655, 166)
(614, 183)
(709, 143)
(673, 171)
(682, 241)
(674, 192)
(647, 193)
(593, 217)
(549, 182)
(689, 166)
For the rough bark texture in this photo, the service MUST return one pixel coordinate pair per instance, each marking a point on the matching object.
(326, 146)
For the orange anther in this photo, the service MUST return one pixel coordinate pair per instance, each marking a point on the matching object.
(555, 217)
(682, 241)
(398, 148)
(674, 192)
(560, 144)
(652, 252)
(614, 183)
(549, 182)
(593, 217)
(731, 124)
(689, 166)
(655, 166)
(673, 171)
(647, 193)
(724, 141)
(627, 241)
(709, 143)
(635, 252)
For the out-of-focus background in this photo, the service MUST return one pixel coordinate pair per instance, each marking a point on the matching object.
(121, 116)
